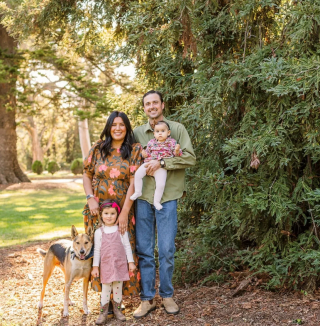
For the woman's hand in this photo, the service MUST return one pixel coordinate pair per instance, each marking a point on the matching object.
(132, 267)
(95, 271)
(93, 206)
(123, 222)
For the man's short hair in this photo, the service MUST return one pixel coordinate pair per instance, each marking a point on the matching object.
(152, 92)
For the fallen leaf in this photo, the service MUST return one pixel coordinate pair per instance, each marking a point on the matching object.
(247, 305)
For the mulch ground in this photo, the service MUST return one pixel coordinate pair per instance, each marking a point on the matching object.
(21, 283)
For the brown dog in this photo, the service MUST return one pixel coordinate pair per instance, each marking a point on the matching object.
(75, 260)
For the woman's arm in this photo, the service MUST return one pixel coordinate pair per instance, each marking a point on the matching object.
(87, 185)
(123, 217)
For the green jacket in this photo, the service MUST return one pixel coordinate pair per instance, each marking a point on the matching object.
(175, 185)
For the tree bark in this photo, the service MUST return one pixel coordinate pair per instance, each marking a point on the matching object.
(84, 137)
(10, 171)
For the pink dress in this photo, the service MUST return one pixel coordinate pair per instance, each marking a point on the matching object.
(157, 150)
(113, 264)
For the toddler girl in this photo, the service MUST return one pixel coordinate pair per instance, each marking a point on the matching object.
(112, 251)
(160, 147)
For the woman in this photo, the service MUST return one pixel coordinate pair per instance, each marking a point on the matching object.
(108, 174)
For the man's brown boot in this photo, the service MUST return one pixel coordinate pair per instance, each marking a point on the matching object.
(103, 316)
(144, 309)
(117, 311)
(170, 306)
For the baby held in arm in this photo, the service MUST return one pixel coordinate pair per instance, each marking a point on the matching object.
(160, 147)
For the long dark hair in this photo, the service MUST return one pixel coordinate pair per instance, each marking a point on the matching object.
(126, 146)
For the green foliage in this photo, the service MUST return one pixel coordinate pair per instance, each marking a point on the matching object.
(77, 166)
(37, 167)
(53, 167)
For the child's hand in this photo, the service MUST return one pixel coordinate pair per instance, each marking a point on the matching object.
(95, 271)
(177, 150)
(144, 153)
(132, 267)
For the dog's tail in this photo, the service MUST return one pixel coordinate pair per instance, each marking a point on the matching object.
(41, 252)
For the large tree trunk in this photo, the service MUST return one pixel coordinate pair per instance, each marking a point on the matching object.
(10, 171)
(84, 137)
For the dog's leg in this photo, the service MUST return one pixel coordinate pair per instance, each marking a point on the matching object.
(85, 294)
(66, 298)
(47, 271)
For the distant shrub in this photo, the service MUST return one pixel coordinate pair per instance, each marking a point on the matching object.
(65, 166)
(53, 167)
(45, 163)
(77, 166)
(37, 167)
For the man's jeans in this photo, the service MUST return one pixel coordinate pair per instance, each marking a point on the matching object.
(147, 218)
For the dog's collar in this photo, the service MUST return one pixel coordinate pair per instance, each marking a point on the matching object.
(90, 255)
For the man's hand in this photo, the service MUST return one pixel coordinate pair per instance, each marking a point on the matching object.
(177, 150)
(95, 271)
(152, 167)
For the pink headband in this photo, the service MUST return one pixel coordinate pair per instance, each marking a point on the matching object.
(114, 205)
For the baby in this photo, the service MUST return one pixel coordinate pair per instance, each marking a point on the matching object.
(160, 147)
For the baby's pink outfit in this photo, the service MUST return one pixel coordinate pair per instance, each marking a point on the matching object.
(155, 151)
(113, 265)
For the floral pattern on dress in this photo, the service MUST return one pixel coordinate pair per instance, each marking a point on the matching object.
(111, 180)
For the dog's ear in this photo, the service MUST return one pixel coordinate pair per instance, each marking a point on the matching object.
(90, 232)
(74, 232)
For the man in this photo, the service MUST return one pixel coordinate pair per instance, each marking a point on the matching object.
(148, 219)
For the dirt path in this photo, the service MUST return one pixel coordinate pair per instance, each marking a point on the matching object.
(21, 283)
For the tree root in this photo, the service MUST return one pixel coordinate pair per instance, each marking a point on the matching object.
(14, 176)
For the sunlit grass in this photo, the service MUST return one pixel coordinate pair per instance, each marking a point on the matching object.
(39, 214)
(57, 175)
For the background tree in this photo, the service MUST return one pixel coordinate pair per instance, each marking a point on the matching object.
(10, 169)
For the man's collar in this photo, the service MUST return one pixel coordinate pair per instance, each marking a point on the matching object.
(148, 127)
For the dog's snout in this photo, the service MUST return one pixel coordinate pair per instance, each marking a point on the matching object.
(82, 251)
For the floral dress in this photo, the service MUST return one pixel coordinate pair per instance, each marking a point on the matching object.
(111, 180)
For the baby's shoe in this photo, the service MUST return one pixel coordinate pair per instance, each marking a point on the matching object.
(135, 195)
(158, 206)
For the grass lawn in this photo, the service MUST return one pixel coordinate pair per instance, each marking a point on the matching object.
(27, 215)
(57, 175)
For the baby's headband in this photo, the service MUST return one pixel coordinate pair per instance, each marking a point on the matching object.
(114, 205)
(162, 121)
